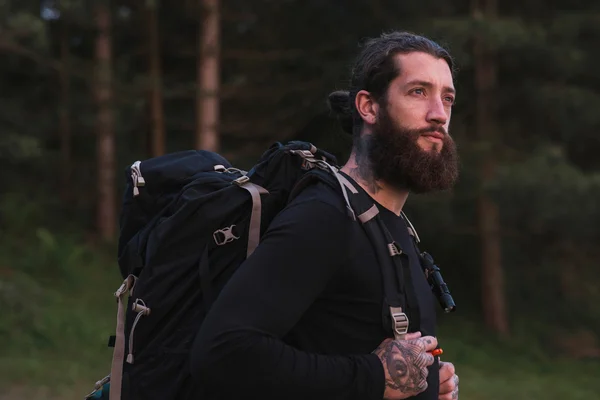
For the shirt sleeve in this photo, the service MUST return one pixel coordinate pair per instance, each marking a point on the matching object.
(239, 349)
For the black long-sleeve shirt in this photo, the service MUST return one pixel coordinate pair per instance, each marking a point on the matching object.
(303, 314)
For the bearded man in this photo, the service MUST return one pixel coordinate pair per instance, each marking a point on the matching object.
(302, 317)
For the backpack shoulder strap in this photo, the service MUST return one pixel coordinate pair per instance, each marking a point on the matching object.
(400, 261)
(399, 297)
(398, 289)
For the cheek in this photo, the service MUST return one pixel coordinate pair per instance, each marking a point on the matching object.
(449, 114)
(409, 115)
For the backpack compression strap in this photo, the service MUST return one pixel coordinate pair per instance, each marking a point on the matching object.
(116, 371)
(255, 192)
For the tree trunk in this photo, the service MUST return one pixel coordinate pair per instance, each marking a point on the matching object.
(156, 96)
(493, 296)
(103, 93)
(207, 134)
(64, 115)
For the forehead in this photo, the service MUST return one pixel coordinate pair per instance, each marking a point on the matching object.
(424, 67)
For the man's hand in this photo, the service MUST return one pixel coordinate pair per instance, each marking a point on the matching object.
(448, 382)
(405, 364)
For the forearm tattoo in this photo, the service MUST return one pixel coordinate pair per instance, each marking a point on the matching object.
(406, 366)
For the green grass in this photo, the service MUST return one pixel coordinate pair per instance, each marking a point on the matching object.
(517, 368)
(58, 309)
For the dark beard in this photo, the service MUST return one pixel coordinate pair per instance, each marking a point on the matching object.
(391, 155)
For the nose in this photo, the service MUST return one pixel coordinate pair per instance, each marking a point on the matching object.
(437, 113)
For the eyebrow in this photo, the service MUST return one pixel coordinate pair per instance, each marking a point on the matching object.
(429, 85)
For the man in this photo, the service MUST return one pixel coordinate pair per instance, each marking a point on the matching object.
(302, 317)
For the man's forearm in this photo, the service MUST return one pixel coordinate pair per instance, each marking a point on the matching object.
(255, 365)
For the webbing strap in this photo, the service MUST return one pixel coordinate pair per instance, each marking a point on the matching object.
(369, 214)
(116, 371)
(347, 183)
(309, 157)
(343, 182)
(254, 230)
(411, 229)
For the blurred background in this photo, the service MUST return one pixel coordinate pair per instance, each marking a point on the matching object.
(88, 87)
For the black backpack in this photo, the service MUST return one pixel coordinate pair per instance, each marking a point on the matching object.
(188, 220)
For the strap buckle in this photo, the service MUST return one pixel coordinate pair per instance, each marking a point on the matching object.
(225, 235)
(399, 322)
(126, 286)
(241, 180)
(303, 153)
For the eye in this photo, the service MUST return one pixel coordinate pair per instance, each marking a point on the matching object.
(419, 91)
(449, 99)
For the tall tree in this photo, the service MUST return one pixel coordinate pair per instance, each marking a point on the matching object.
(156, 93)
(64, 114)
(493, 298)
(207, 127)
(103, 94)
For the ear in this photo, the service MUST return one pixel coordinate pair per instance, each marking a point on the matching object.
(366, 107)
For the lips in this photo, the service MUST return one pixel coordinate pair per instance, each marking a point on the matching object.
(436, 135)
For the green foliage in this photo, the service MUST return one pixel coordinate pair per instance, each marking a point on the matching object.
(519, 369)
(57, 304)
(19, 147)
(547, 193)
(30, 26)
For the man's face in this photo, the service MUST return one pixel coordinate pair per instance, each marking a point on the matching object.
(409, 147)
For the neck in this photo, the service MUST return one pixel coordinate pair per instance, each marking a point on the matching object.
(388, 197)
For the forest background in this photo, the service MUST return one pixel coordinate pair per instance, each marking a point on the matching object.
(88, 87)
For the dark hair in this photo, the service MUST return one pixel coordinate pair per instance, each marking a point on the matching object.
(375, 68)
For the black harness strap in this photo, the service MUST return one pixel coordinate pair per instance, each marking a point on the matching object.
(400, 298)
(399, 291)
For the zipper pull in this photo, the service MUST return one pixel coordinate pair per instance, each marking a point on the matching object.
(140, 307)
(137, 178)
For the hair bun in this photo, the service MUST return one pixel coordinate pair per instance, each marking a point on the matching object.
(339, 104)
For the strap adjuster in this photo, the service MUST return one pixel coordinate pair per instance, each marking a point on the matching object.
(303, 153)
(241, 180)
(399, 322)
(394, 249)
